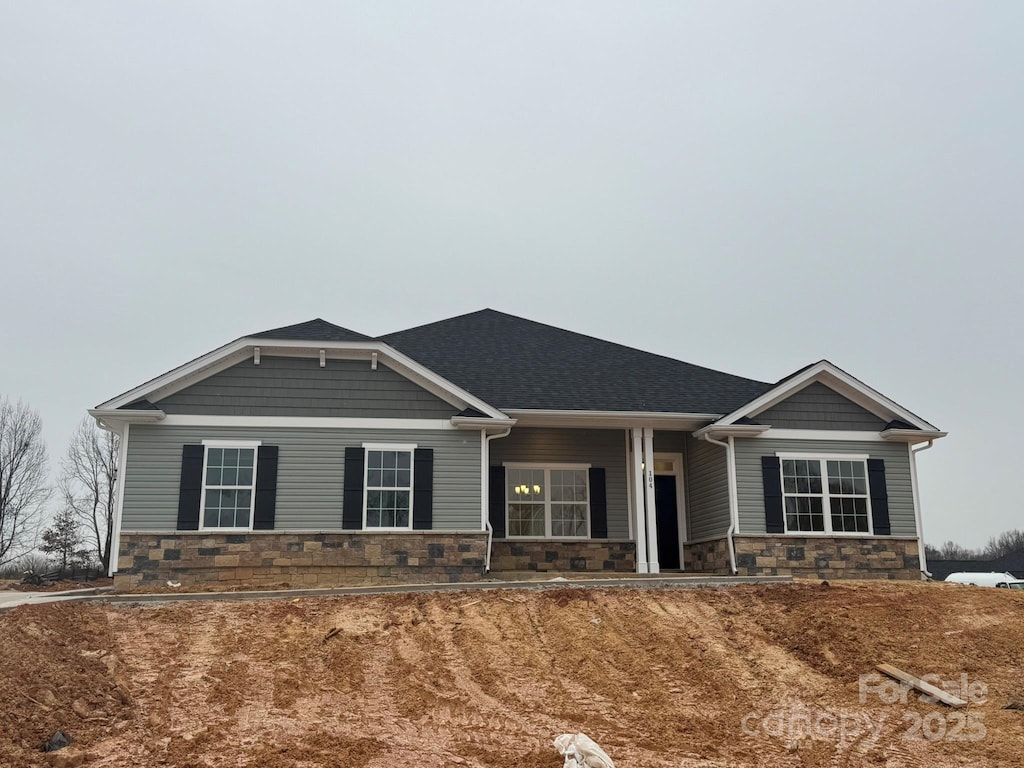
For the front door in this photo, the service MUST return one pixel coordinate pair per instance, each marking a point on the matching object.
(668, 521)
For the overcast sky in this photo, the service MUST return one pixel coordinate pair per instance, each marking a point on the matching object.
(750, 186)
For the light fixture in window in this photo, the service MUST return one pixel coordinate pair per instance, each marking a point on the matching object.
(536, 489)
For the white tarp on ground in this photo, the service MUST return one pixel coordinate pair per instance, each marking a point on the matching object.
(582, 752)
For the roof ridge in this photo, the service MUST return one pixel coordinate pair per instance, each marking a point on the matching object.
(557, 329)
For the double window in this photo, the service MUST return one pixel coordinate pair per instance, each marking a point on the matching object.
(229, 485)
(825, 494)
(547, 501)
(388, 486)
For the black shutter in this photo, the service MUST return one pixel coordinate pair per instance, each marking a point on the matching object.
(879, 497)
(266, 488)
(496, 501)
(190, 489)
(771, 478)
(598, 505)
(352, 509)
(423, 489)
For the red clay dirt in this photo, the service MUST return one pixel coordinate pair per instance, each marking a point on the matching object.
(657, 677)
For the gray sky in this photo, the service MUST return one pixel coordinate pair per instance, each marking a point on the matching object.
(750, 186)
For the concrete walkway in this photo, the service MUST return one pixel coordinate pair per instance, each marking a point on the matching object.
(11, 598)
(633, 581)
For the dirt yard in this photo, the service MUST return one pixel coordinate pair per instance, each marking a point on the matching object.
(658, 678)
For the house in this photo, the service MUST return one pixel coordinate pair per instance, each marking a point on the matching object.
(313, 454)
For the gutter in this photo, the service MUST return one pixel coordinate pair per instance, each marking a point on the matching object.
(730, 450)
(485, 485)
(922, 557)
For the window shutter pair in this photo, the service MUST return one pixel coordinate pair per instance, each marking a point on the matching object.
(771, 479)
(598, 503)
(190, 489)
(422, 489)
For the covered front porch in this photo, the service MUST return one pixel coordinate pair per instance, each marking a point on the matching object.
(565, 499)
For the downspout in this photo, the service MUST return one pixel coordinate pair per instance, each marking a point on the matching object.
(485, 484)
(733, 502)
(923, 559)
(122, 466)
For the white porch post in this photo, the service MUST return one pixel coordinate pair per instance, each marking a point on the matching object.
(640, 527)
(652, 508)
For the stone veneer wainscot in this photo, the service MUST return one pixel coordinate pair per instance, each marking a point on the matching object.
(306, 559)
(810, 556)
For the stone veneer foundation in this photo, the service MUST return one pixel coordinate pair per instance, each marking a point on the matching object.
(299, 559)
(583, 555)
(820, 557)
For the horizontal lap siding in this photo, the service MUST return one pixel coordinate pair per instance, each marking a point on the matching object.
(819, 407)
(310, 476)
(604, 448)
(750, 488)
(298, 386)
(707, 485)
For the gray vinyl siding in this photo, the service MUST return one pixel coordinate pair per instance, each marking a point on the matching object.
(311, 469)
(298, 386)
(604, 448)
(819, 407)
(707, 490)
(750, 488)
(666, 441)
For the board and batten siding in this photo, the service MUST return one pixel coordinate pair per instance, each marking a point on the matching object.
(818, 406)
(298, 386)
(750, 487)
(310, 475)
(707, 490)
(597, 447)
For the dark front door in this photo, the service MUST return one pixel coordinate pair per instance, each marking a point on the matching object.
(668, 521)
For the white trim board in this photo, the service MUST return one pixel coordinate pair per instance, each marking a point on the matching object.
(242, 349)
(683, 422)
(837, 379)
(821, 434)
(306, 422)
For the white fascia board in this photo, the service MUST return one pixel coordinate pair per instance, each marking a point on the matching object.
(475, 422)
(114, 419)
(305, 422)
(911, 435)
(406, 365)
(732, 430)
(609, 419)
(241, 349)
(841, 382)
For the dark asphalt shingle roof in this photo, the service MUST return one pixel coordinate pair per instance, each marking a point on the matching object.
(511, 362)
(313, 330)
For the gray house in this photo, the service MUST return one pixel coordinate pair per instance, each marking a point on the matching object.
(313, 454)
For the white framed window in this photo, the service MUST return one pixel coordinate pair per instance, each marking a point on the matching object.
(825, 494)
(547, 501)
(387, 486)
(229, 485)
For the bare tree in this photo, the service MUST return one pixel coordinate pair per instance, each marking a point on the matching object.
(1005, 543)
(950, 550)
(88, 483)
(24, 486)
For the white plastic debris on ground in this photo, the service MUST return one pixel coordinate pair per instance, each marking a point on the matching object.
(582, 752)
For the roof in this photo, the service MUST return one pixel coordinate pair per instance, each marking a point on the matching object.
(313, 330)
(514, 363)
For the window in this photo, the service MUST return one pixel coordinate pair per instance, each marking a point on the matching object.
(825, 495)
(548, 501)
(388, 500)
(229, 485)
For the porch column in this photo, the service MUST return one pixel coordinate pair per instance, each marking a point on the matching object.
(640, 527)
(652, 508)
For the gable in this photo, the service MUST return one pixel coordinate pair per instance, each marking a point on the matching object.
(818, 406)
(298, 386)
